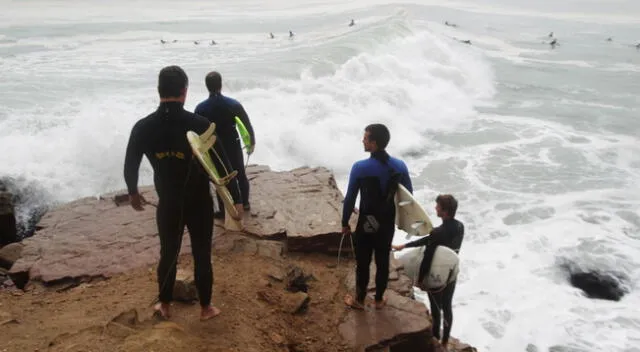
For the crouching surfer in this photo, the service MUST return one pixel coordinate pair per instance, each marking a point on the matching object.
(449, 234)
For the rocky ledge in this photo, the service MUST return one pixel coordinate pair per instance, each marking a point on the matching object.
(294, 212)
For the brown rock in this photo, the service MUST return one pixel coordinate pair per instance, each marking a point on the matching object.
(456, 346)
(295, 302)
(287, 301)
(276, 274)
(123, 324)
(233, 242)
(401, 325)
(270, 249)
(398, 282)
(277, 338)
(304, 204)
(128, 318)
(90, 238)
(9, 254)
(184, 290)
(101, 237)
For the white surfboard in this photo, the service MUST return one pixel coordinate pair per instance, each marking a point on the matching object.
(410, 216)
(444, 267)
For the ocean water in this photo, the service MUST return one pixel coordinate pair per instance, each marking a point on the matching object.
(539, 144)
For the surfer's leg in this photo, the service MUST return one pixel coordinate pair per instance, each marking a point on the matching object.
(435, 300)
(364, 250)
(170, 229)
(382, 250)
(200, 225)
(447, 309)
(236, 159)
(199, 221)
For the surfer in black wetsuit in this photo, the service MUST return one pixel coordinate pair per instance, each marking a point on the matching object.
(222, 111)
(376, 179)
(182, 186)
(450, 234)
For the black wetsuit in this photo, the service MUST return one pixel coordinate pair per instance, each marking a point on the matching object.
(222, 111)
(183, 192)
(449, 234)
(373, 177)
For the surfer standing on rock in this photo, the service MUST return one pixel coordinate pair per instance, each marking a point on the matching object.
(222, 111)
(450, 234)
(376, 179)
(184, 197)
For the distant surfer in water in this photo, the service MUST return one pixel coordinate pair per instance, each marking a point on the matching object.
(376, 179)
(353, 23)
(222, 111)
(182, 186)
(271, 35)
(291, 34)
(450, 234)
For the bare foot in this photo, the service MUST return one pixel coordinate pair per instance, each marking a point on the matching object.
(381, 304)
(350, 301)
(209, 312)
(161, 310)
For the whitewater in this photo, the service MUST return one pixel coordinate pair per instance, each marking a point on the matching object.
(539, 144)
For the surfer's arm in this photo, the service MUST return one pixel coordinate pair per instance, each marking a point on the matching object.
(433, 237)
(132, 160)
(350, 198)
(405, 180)
(233, 186)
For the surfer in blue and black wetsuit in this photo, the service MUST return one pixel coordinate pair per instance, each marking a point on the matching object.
(450, 234)
(182, 186)
(376, 178)
(222, 111)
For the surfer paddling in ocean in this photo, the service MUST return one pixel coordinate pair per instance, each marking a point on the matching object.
(184, 197)
(376, 179)
(450, 234)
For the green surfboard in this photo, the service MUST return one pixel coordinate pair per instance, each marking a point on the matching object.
(244, 134)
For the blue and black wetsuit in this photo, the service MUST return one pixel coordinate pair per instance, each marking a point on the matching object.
(450, 234)
(182, 185)
(376, 179)
(222, 111)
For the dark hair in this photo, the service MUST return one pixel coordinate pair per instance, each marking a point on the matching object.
(380, 134)
(448, 203)
(172, 81)
(213, 82)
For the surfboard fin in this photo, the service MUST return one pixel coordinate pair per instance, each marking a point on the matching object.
(209, 132)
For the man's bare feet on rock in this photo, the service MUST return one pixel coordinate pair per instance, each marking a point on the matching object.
(161, 310)
(209, 312)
